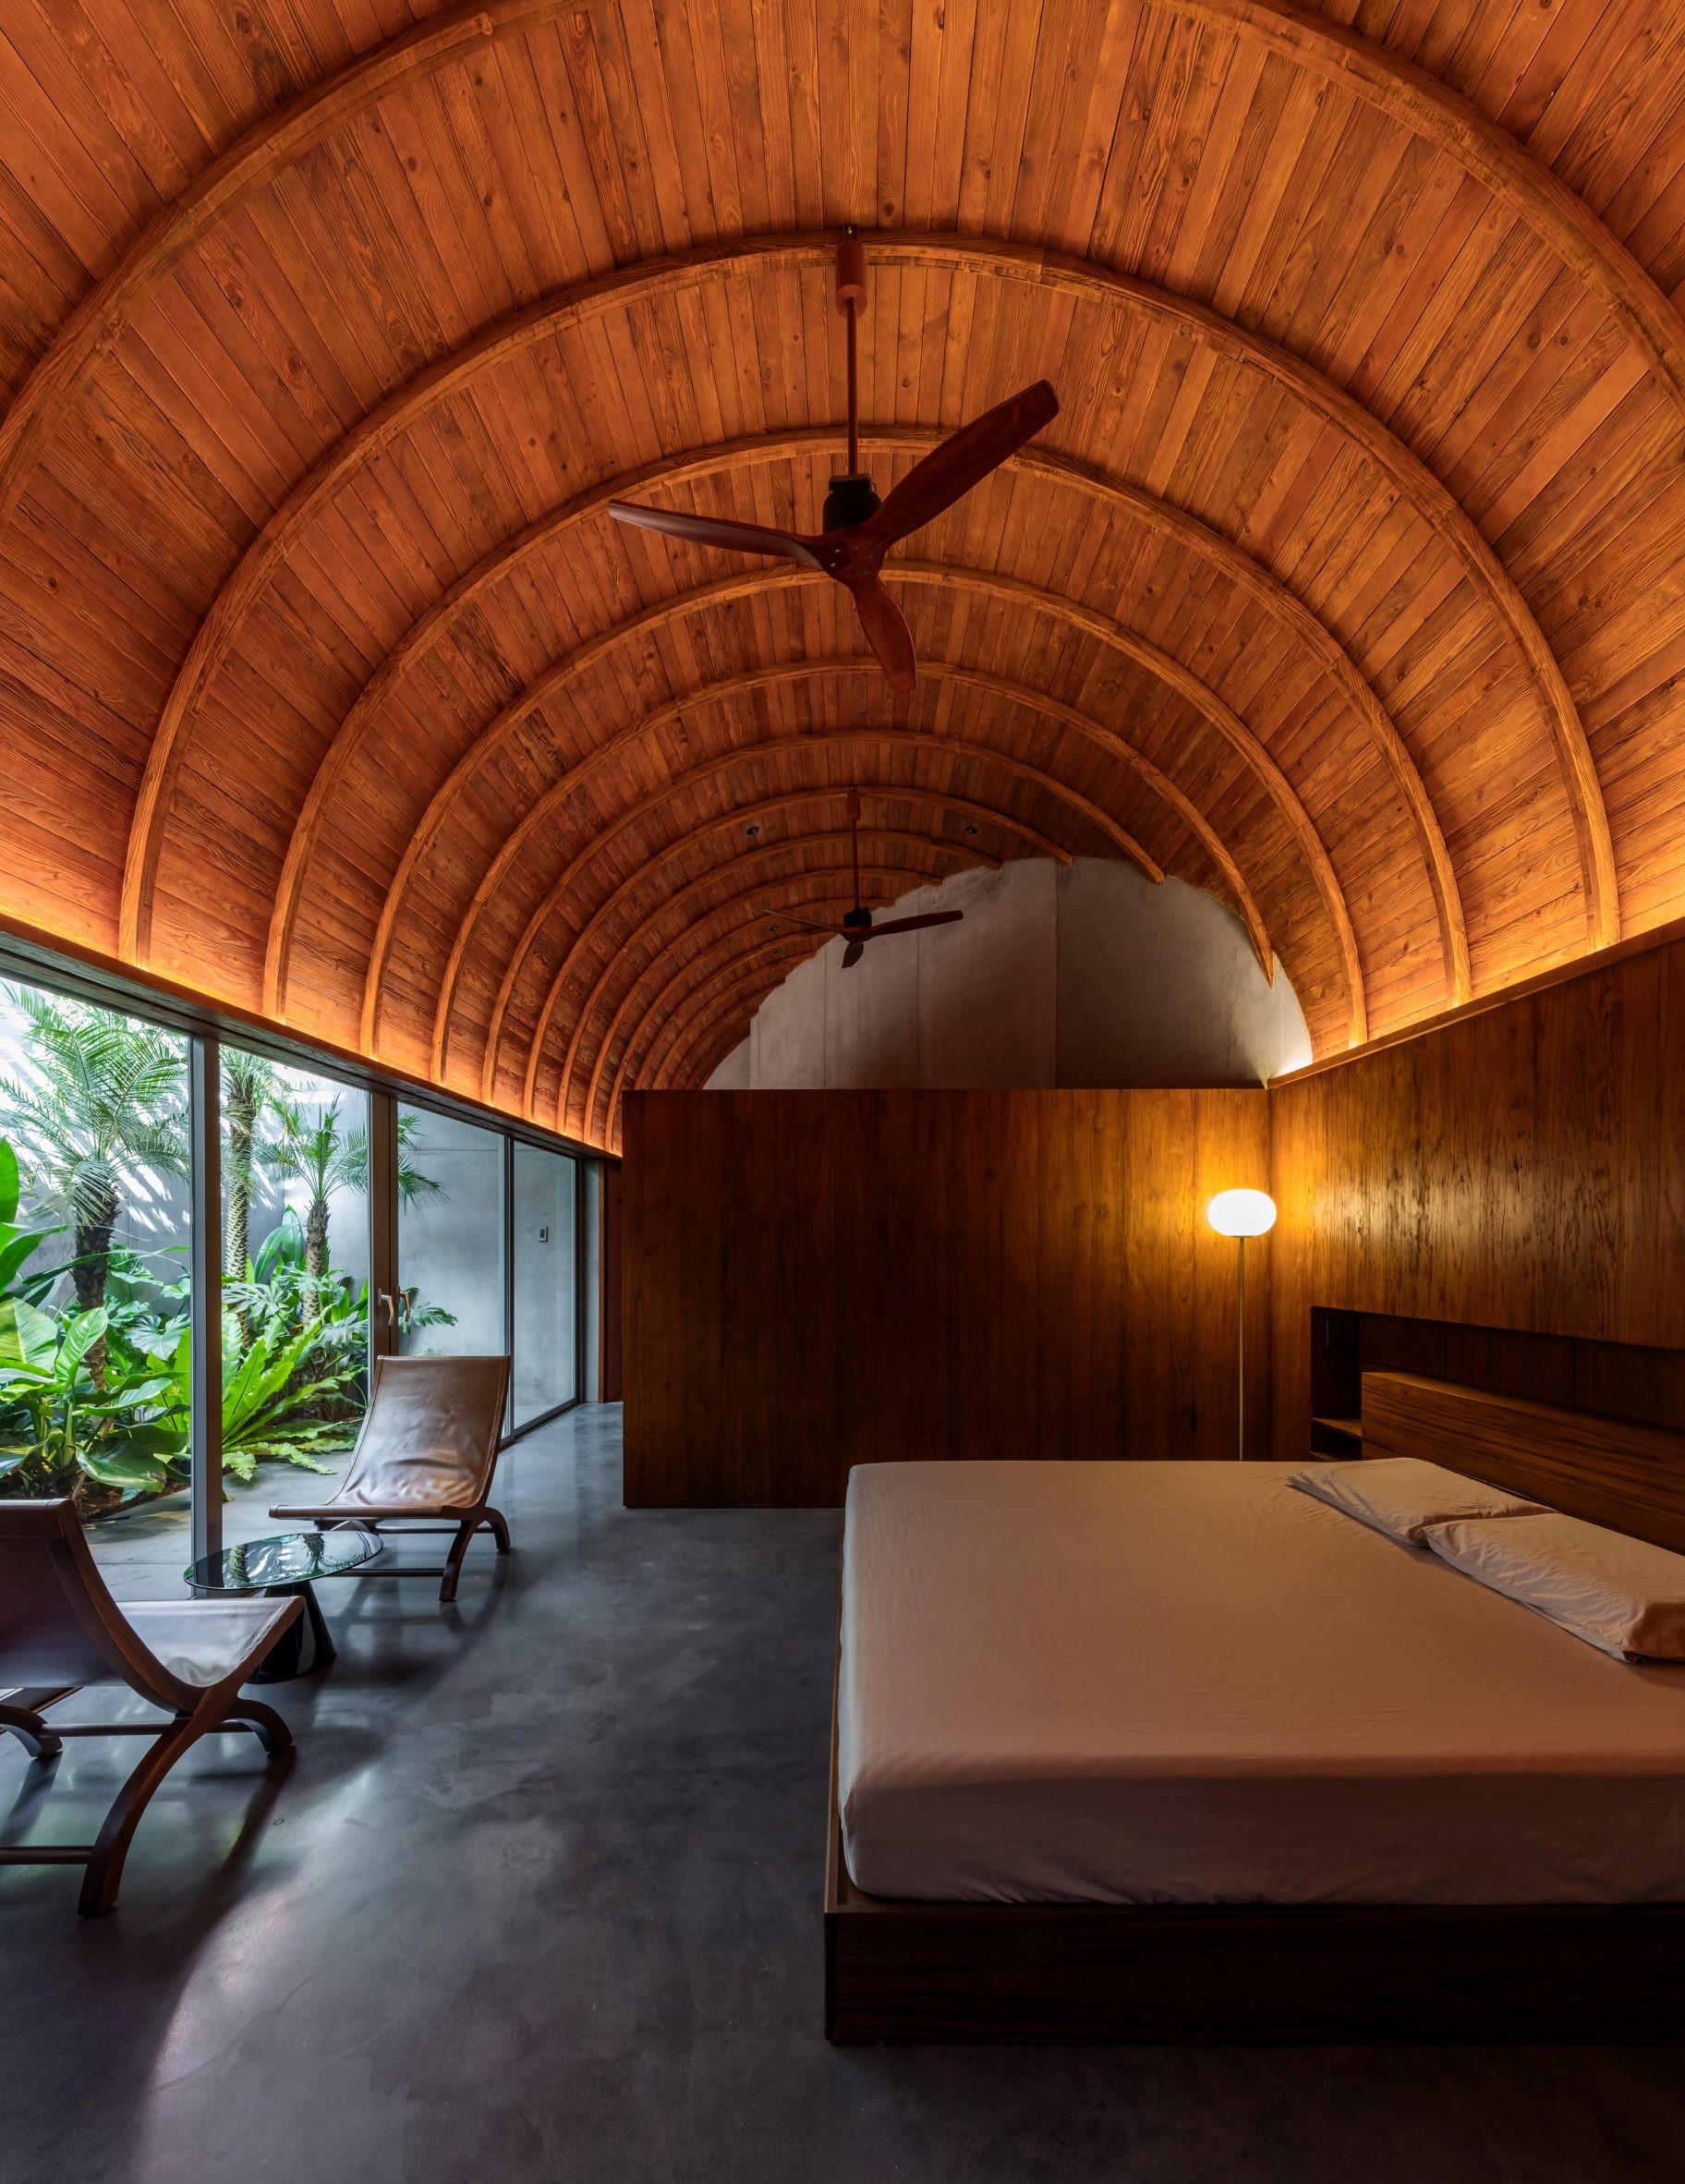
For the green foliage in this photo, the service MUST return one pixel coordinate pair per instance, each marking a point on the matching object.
(103, 1098)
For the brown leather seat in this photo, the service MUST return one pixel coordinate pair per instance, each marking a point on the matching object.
(60, 1628)
(427, 1450)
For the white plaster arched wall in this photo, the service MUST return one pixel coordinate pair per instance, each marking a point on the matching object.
(1086, 976)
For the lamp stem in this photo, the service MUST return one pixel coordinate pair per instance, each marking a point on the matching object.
(1241, 1362)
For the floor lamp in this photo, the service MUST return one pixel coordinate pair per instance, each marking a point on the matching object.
(1240, 1214)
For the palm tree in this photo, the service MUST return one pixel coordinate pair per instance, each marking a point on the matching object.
(247, 1089)
(104, 1102)
(315, 1154)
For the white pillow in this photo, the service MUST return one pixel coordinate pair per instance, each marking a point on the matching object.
(1622, 1594)
(1402, 1495)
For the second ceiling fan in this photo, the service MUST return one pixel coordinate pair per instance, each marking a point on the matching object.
(855, 528)
(856, 927)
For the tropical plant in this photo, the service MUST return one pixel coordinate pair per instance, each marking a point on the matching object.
(248, 1090)
(317, 1155)
(100, 1103)
(271, 1391)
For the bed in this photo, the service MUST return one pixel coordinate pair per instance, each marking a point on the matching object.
(1173, 1751)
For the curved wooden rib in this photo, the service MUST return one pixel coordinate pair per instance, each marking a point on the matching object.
(1430, 108)
(640, 282)
(747, 989)
(748, 584)
(249, 164)
(629, 888)
(731, 951)
(983, 813)
(698, 1013)
(642, 935)
(1165, 520)
(852, 740)
(829, 906)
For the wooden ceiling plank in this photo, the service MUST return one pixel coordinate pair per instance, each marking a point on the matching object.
(1421, 102)
(854, 744)
(390, 419)
(879, 880)
(754, 582)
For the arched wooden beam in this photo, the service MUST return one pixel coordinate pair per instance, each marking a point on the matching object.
(962, 807)
(733, 952)
(852, 740)
(250, 163)
(830, 907)
(640, 282)
(750, 990)
(1563, 222)
(630, 888)
(746, 585)
(1165, 520)
(643, 937)
(721, 996)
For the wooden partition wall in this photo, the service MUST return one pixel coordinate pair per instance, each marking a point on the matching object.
(1519, 1171)
(821, 1278)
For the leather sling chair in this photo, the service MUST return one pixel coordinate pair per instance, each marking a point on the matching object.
(60, 1628)
(426, 1450)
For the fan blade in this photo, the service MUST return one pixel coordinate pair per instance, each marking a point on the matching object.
(788, 918)
(713, 530)
(852, 955)
(913, 924)
(962, 461)
(886, 632)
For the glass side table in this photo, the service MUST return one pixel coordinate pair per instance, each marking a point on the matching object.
(282, 1568)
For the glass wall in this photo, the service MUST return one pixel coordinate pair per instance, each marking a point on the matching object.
(545, 1243)
(294, 1258)
(95, 1281)
(450, 1300)
(101, 1328)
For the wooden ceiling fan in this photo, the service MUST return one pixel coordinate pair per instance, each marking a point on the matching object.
(855, 530)
(856, 927)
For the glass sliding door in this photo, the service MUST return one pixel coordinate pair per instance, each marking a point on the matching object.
(450, 1302)
(295, 1259)
(95, 1277)
(545, 1242)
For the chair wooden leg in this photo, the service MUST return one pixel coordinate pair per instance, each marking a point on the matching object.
(500, 1529)
(105, 1873)
(31, 1731)
(454, 1559)
(263, 1722)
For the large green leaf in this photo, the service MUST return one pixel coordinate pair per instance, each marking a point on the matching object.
(28, 1341)
(9, 1184)
(12, 1456)
(82, 1330)
(16, 1245)
(123, 1467)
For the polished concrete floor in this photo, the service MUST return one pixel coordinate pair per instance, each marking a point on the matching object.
(537, 1897)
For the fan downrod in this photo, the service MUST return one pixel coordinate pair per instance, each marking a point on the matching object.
(851, 499)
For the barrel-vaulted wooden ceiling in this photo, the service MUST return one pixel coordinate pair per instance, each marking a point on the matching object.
(1349, 583)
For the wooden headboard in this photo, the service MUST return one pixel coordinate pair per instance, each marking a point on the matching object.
(1606, 1470)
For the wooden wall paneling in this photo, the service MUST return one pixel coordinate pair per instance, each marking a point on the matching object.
(951, 1275)
(1518, 1172)
(1604, 1471)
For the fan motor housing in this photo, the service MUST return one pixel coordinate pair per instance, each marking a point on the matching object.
(851, 499)
(858, 920)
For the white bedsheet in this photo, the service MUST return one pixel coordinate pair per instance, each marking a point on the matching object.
(1188, 1683)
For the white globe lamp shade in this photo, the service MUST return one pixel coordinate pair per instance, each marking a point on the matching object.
(1242, 1213)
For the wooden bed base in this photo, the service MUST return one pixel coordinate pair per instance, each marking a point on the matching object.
(910, 1972)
